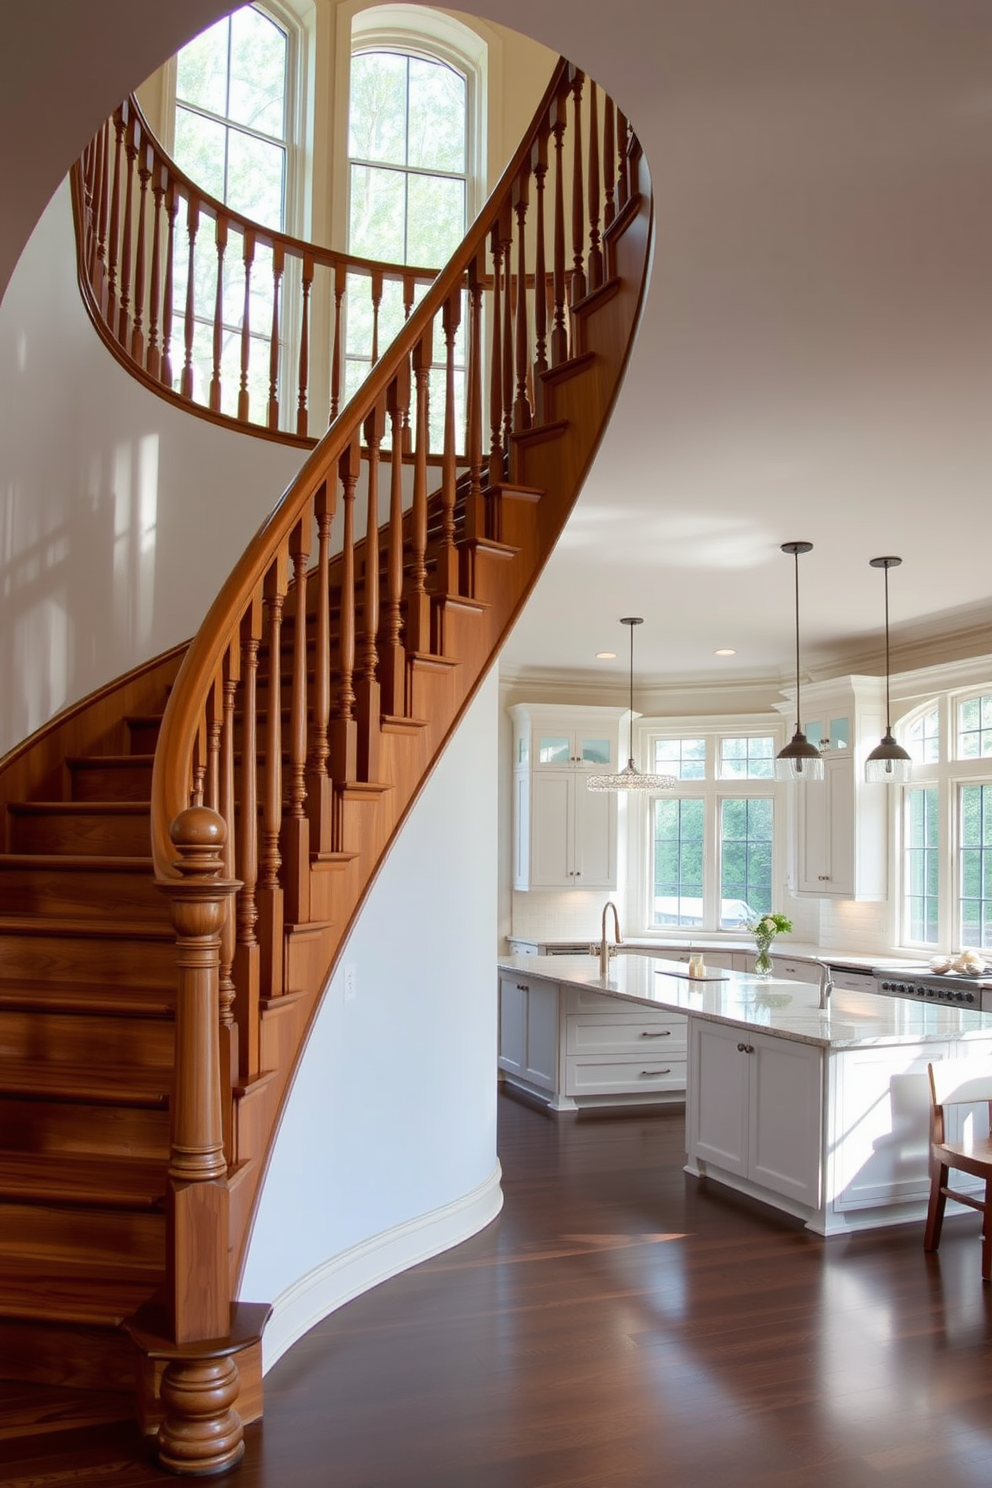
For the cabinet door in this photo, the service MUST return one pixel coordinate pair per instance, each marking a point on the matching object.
(542, 1035)
(550, 830)
(785, 1105)
(718, 1096)
(512, 1023)
(826, 830)
(594, 838)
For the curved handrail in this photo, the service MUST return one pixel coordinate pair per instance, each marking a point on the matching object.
(184, 714)
(135, 210)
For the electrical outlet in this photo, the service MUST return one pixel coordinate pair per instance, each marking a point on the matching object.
(349, 983)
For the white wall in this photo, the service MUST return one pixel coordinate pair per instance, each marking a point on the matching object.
(120, 515)
(387, 1149)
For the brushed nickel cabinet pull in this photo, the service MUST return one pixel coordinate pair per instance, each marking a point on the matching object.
(665, 1033)
(653, 1074)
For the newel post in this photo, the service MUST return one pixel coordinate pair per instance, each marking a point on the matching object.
(200, 1431)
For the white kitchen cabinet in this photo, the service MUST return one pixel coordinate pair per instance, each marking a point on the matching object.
(754, 1109)
(528, 1029)
(840, 839)
(580, 1048)
(565, 836)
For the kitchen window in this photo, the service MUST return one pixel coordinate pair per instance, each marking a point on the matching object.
(946, 824)
(710, 851)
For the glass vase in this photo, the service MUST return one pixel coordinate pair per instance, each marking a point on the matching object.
(763, 960)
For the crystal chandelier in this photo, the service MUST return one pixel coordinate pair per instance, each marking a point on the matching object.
(630, 778)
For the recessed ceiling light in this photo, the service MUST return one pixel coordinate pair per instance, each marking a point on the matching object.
(606, 656)
(725, 651)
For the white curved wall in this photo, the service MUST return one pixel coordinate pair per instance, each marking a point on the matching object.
(120, 515)
(387, 1151)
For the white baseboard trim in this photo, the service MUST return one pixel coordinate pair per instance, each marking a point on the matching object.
(347, 1275)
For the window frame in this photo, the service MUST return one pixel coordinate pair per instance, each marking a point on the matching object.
(714, 790)
(948, 774)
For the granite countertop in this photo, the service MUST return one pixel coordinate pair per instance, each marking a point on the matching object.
(776, 1005)
(794, 950)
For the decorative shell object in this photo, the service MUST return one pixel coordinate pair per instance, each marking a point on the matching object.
(969, 961)
(940, 964)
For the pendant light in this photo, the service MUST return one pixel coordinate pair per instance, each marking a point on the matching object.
(799, 760)
(888, 762)
(630, 778)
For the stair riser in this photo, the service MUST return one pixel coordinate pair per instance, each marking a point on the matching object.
(96, 894)
(63, 1354)
(142, 737)
(86, 959)
(117, 782)
(102, 1237)
(92, 1131)
(145, 1042)
(91, 833)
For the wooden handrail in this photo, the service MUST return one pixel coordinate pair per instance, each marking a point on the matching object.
(142, 223)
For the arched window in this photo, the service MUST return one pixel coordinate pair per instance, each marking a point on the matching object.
(232, 113)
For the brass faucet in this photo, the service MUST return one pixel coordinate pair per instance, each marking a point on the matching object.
(604, 950)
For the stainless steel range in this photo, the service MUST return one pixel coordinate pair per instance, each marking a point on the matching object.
(951, 987)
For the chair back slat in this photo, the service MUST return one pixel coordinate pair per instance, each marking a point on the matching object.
(955, 1082)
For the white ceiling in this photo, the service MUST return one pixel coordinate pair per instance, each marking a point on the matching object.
(815, 360)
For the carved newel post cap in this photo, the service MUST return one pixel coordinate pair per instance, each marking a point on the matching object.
(199, 836)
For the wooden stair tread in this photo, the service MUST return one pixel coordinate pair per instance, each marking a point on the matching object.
(100, 930)
(79, 862)
(28, 1409)
(121, 1085)
(79, 808)
(42, 996)
(73, 1292)
(103, 1182)
(100, 761)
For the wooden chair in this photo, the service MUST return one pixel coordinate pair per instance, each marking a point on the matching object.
(958, 1082)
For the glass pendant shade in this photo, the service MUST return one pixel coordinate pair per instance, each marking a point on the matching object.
(630, 778)
(799, 760)
(888, 763)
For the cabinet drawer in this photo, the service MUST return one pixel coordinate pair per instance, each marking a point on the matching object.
(648, 1038)
(624, 1076)
(796, 971)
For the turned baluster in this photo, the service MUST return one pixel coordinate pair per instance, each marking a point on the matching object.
(153, 360)
(225, 806)
(244, 397)
(246, 955)
(623, 173)
(578, 277)
(392, 655)
(475, 502)
(344, 729)
(296, 826)
(540, 157)
(220, 242)
(130, 155)
(270, 897)
(506, 360)
(215, 724)
(595, 259)
(559, 333)
(115, 218)
(100, 208)
(171, 212)
(376, 288)
(496, 452)
(302, 420)
(138, 318)
(192, 228)
(521, 201)
(318, 781)
(367, 691)
(278, 263)
(417, 600)
(409, 295)
(198, 771)
(337, 353)
(447, 553)
(609, 163)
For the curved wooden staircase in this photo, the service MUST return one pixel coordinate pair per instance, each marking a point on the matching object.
(186, 852)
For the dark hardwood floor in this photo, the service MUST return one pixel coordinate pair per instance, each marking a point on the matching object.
(621, 1326)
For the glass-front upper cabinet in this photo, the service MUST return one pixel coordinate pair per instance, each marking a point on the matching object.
(575, 749)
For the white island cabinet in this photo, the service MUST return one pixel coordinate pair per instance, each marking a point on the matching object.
(821, 1112)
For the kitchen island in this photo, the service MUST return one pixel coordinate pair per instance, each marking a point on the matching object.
(821, 1112)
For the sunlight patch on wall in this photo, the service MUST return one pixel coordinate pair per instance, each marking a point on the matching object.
(135, 494)
(41, 659)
